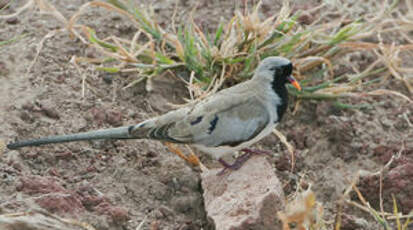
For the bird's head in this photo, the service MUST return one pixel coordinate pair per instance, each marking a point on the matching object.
(276, 70)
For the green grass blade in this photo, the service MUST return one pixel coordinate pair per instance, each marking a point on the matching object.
(349, 106)
(379, 219)
(163, 59)
(7, 42)
(108, 69)
(218, 33)
(366, 74)
(119, 5)
(293, 41)
(347, 32)
(147, 25)
(92, 38)
(396, 213)
(275, 35)
(406, 224)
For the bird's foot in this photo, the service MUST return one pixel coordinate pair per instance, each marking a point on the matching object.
(234, 166)
(240, 161)
(192, 159)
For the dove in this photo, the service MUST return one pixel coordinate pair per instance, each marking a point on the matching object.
(228, 121)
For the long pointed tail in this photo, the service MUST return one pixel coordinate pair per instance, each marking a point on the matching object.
(115, 133)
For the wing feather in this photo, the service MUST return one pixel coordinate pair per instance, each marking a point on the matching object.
(227, 118)
(230, 126)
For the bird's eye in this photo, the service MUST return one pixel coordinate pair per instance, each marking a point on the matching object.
(274, 68)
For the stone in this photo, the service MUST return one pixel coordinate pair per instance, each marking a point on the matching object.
(248, 198)
(37, 220)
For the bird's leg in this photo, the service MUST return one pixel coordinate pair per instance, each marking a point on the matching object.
(234, 166)
(195, 160)
(241, 160)
(192, 159)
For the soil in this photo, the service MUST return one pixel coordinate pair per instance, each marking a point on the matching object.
(119, 184)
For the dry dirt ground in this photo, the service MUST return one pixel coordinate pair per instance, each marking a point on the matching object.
(118, 184)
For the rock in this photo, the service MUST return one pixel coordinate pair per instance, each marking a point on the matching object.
(36, 220)
(117, 215)
(12, 21)
(50, 112)
(3, 69)
(350, 222)
(187, 203)
(248, 198)
(50, 194)
(396, 181)
(34, 185)
(61, 203)
(114, 118)
(107, 78)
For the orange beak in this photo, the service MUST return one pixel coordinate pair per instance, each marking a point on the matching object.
(294, 82)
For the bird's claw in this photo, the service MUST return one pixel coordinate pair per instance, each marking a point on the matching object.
(191, 159)
(240, 161)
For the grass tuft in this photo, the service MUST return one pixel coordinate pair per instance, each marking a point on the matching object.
(235, 48)
(232, 51)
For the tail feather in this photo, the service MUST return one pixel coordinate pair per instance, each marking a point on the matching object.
(150, 130)
(114, 133)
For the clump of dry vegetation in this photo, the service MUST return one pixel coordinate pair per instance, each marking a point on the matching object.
(302, 212)
(235, 48)
(232, 51)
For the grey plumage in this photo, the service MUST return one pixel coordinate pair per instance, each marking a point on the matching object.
(115, 133)
(229, 120)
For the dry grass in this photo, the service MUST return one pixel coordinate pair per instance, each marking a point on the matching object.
(383, 218)
(302, 212)
(237, 45)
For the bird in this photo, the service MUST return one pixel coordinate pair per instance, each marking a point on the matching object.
(228, 121)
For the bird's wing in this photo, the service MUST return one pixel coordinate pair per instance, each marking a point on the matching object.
(227, 119)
